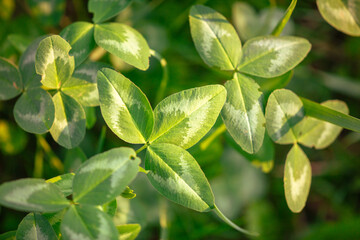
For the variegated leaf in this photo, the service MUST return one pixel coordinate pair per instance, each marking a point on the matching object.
(320, 134)
(80, 35)
(297, 178)
(82, 86)
(69, 125)
(32, 195)
(272, 56)
(125, 108)
(35, 226)
(344, 15)
(215, 38)
(128, 231)
(105, 176)
(284, 116)
(243, 114)
(185, 117)
(87, 222)
(124, 42)
(34, 111)
(53, 61)
(104, 11)
(10, 80)
(177, 176)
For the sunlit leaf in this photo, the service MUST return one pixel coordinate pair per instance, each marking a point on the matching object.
(10, 80)
(344, 15)
(104, 11)
(105, 176)
(272, 56)
(53, 62)
(185, 117)
(69, 125)
(89, 223)
(34, 111)
(321, 134)
(80, 36)
(215, 38)
(124, 107)
(243, 114)
(128, 231)
(284, 115)
(297, 178)
(82, 86)
(35, 226)
(124, 42)
(177, 176)
(32, 194)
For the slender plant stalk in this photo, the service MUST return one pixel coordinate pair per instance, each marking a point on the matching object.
(163, 218)
(38, 162)
(206, 143)
(165, 77)
(280, 26)
(233, 225)
(142, 148)
(101, 141)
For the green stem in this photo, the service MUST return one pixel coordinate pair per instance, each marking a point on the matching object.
(142, 148)
(141, 169)
(39, 162)
(101, 141)
(54, 160)
(230, 223)
(165, 77)
(280, 26)
(206, 143)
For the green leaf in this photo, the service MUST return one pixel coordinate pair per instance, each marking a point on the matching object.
(321, 134)
(128, 193)
(10, 80)
(273, 56)
(124, 107)
(35, 226)
(69, 125)
(185, 117)
(178, 177)
(89, 223)
(53, 62)
(124, 42)
(110, 208)
(34, 111)
(8, 235)
(47, 12)
(18, 41)
(270, 84)
(82, 86)
(63, 182)
(315, 110)
(90, 117)
(297, 179)
(105, 10)
(32, 194)
(215, 38)
(284, 114)
(344, 15)
(55, 220)
(242, 113)
(128, 231)
(281, 25)
(73, 159)
(80, 35)
(27, 65)
(105, 176)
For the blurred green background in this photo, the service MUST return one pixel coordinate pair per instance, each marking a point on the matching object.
(252, 198)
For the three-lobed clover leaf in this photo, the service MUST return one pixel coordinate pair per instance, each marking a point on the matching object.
(297, 178)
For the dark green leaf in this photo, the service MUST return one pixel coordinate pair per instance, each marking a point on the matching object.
(105, 10)
(10, 80)
(35, 226)
(73, 159)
